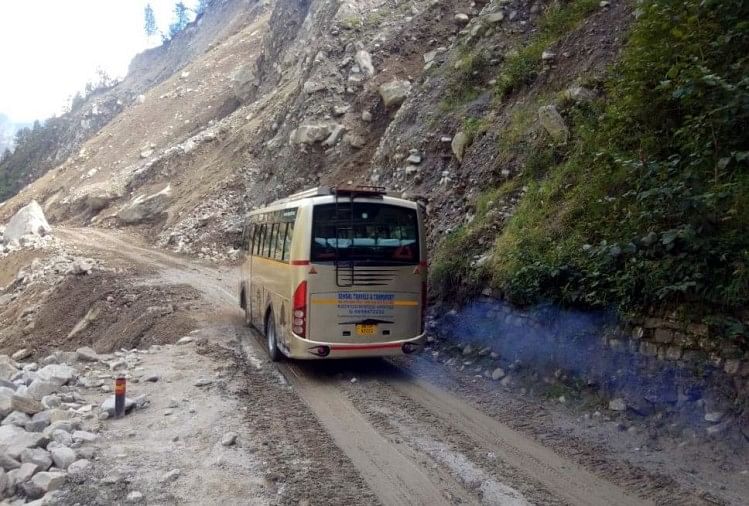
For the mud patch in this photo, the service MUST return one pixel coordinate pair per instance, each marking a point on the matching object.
(108, 312)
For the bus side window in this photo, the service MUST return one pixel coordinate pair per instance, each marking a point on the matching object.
(260, 240)
(287, 241)
(271, 242)
(278, 245)
(251, 238)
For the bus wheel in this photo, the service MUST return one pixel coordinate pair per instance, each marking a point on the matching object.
(270, 338)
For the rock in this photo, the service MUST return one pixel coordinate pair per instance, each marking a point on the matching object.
(310, 133)
(311, 87)
(354, 140)
(202, 382)
(4, 481)
(170, 476)
(146, 153)
(84, 436)
(364, 60)
(495, 17)
(394, 93)
(63, 456)
(366, 116)
(548, 56)
(51, 401)
(134, 496)
(37, 456)
(62, 436)
(340, 110)
(553, 123)
(40, 388)
(7, 462)
(414, 159)
(151, 378)
(498, 374)
(16, 440)
(459, 144)
(86, 354)
(244, 83)
(578, 94)
(714, 416)
(25, 472)
(26, 404)
(185, 340)
(79, 468)
(617, 405)
(462, 18)
(145, 208)
(48, 481)
(21, 354)
(16, 418)
(8, 368)
(108, 405)
(334, 136)
(36, 425)
(229, 439)
(732, 366)
(61, 374)
(81, 267)
(29, 220)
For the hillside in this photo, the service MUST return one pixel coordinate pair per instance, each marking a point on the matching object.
(582, 163)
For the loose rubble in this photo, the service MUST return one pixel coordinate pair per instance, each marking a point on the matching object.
(48, 427)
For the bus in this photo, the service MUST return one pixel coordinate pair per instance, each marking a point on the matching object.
(336, 272)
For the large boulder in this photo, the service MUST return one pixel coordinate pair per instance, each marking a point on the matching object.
(8, 367)
(29, 220)
(393, 93)
(364, 60)
(311, 133)
(16, 440)
(244, 83)
(145, 208)
(460, 142)
(553, 123)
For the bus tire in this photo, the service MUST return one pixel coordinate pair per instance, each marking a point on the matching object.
(270, 338)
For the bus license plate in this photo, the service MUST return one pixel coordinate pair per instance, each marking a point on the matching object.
(365, 329)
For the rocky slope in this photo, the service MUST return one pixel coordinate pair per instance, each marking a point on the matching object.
(465, 105)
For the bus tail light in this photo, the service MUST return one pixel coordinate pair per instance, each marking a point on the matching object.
(423, 305)
(300, 310)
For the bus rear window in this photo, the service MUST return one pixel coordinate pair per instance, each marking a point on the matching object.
(373, 233)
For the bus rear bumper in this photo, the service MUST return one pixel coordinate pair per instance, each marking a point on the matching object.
(315, 350)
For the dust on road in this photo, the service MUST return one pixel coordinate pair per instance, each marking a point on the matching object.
(324, 433)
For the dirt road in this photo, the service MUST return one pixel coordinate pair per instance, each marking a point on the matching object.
(375, 430)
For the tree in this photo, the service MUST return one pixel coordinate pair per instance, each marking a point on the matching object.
(150, 18)
(181, 19)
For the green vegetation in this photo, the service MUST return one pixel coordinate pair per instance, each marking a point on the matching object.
(648, 205)
(465, 83)
(522, 66)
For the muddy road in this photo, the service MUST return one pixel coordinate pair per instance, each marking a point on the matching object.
(373, 431)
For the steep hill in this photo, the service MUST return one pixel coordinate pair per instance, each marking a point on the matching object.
(567, 154)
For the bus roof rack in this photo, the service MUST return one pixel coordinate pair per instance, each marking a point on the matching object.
(340, 190)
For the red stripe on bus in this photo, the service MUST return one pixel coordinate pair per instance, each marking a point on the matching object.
(300, 262)
(366, 346)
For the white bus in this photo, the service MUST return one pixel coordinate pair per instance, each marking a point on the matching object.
(336, 273)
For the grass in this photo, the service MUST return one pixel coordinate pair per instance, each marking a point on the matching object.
(646, 207)
(522, 65)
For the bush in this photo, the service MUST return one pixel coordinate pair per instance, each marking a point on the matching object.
(651, 206)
